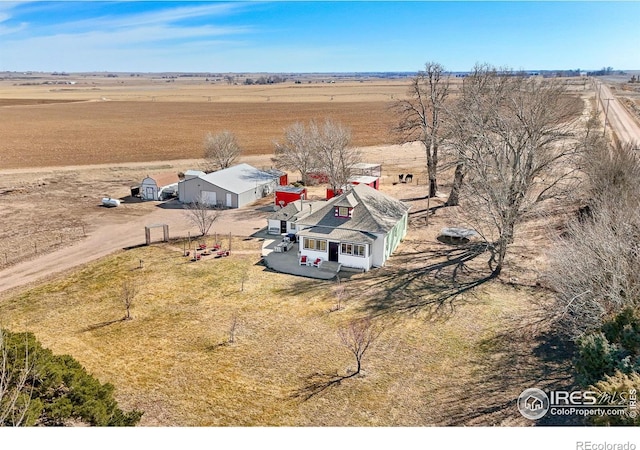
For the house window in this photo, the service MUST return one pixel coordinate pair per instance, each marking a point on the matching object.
(314, 244)
(292, 226)
(343, 211)
(353, 249)
(309, 244)
(346, 249)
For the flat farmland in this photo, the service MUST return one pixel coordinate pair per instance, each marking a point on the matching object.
(105, 120)
(116, 132)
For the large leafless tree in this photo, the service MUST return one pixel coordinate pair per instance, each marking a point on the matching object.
(296, 152)
(221, 150)
(335, 156)
(421, 115)
(323, 147)
(517, 142)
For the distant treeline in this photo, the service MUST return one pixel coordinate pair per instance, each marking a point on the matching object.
(271, 79)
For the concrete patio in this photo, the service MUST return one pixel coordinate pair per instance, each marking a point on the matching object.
(288, 261)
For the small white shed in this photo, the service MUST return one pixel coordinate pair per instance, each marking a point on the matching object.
(152, 186)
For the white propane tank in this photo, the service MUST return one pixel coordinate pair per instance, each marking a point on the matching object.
(110, 202)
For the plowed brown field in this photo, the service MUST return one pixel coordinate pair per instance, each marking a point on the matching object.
(122, 131)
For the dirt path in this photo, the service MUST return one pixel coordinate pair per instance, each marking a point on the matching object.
(112, 235)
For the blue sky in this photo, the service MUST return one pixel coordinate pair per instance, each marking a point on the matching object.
(316, 36)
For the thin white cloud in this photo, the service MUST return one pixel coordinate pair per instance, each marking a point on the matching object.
(118, 39)
(5, 31)
(165, 16)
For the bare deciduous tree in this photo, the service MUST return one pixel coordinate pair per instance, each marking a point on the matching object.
(358, 336)
(128, 294)
(202, 215)
(518, 147)
(324, 147)
(594, 266)
(15, 390)
(340, 293)
(221, 150)
(474, 85)
(335, 157)
(421, 115)
(296, 152)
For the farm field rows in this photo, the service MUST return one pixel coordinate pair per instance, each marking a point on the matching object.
(147, 120)
(116, 132)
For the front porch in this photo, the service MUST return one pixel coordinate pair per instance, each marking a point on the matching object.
(289, 262)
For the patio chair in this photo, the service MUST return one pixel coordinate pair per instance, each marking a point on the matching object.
(317, 262)
(303, 260)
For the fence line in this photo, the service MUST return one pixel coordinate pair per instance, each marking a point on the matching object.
(16, 248)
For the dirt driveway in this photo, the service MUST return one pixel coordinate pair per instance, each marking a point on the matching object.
(113, 234)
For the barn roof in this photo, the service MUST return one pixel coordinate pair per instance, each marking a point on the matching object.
(238, 179)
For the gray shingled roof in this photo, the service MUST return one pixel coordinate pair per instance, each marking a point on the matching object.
(375, 212)
(338, 234)
(296, 210)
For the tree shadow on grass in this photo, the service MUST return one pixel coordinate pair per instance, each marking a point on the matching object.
(525, 355)
(431, 281)
(317, 383)
(97, 326)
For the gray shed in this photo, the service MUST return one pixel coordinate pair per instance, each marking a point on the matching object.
(232, 187)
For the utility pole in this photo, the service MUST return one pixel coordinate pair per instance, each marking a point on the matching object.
(606, 115)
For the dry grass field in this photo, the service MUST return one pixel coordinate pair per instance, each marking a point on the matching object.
(456, 361)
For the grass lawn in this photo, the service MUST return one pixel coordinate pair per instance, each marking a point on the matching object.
(173, 361)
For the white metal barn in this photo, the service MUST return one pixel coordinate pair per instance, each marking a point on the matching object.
(231, 188)
(152, 186)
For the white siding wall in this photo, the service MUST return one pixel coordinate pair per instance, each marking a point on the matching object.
(377, 250)
(355, 261)
(293, 230)
(273, 225)
(313, 254)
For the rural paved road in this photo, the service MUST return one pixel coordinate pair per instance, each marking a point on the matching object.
(625, 126)
(112, 236)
